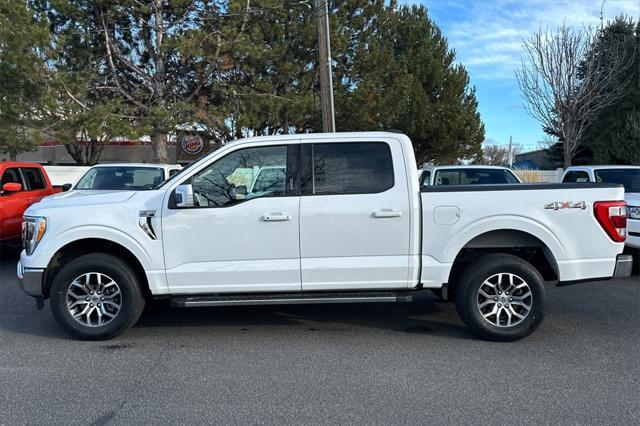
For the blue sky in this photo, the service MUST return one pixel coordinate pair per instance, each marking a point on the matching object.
(487, 37)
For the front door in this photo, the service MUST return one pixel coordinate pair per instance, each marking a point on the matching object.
(354, 216)
(12, 205)
(36, 186)
(242, 235)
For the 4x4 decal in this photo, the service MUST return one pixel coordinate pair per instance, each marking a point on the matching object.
(561, 205)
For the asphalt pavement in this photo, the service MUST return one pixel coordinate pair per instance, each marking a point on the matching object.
(325, 364)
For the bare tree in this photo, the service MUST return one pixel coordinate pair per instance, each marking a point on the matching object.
(496, 155)
(566, 82)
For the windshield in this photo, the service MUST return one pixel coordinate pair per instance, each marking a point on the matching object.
(474, 177)
(121, 178)
(630, 178)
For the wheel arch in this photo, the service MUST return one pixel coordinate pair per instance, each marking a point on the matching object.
(516, 242)
(93, 245)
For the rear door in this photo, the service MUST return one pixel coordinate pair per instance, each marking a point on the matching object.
(354, 215)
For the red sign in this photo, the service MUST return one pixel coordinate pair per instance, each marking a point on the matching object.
(192, 145)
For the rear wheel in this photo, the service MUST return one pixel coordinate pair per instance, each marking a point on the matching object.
(501, 297)
(96, 297)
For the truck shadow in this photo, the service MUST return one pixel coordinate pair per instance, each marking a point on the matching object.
(426, 315)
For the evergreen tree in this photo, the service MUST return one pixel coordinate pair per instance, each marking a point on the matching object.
(23, 45)
(404, 77)
(245, 68)
(614, 137)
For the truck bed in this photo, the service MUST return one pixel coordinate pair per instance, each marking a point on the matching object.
(529, 215)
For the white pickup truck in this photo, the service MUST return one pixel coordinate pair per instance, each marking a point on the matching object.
(346, 222)
(627, 176)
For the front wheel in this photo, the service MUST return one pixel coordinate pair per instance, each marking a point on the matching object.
(501, 297)
(96, 297)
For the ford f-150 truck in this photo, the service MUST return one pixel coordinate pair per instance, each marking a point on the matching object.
(345, 222)
(21, 184)
(629, 177)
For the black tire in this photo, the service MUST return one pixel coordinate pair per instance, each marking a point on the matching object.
(468, 298)
(131, 300)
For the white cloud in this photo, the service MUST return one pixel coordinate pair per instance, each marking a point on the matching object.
(488, 35)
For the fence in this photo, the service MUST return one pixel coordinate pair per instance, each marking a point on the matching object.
(59, 175)
(548, 176)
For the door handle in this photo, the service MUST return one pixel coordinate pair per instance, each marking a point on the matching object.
(276, 217)
(384, 213)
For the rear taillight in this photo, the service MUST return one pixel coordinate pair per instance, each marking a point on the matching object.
(612, 216)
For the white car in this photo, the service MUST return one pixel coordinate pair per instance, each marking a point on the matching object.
(629, 176)
(467, 175)
(348, 224)
(125, 176)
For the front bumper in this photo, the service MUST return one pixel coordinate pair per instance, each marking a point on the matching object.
(624, 265)
(31, 280)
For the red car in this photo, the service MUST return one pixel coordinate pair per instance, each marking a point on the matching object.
(22, 184)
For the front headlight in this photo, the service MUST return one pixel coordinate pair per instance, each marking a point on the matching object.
(633, 212)
(33, 229)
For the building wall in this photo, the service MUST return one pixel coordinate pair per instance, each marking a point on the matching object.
(536, 157)
(58, 155)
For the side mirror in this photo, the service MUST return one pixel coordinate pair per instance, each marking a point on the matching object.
(183, 196)
(11, 187)
(66, 187)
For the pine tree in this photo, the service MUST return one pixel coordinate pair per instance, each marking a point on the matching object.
(614, 137)
(404, 77)
(23, 43)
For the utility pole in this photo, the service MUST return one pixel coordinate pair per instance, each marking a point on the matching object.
(326, 79)
(510, 152)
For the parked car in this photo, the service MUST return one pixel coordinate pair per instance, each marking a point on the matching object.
(350, 224)
(628, 176)
(125, 177)
(22, 184)
(467, 175)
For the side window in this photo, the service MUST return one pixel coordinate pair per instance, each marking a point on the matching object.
(11, 176)
(425, 178)
(34, 179)
(242, 175)
(568, 177)
(348, 168)
(173, 172)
